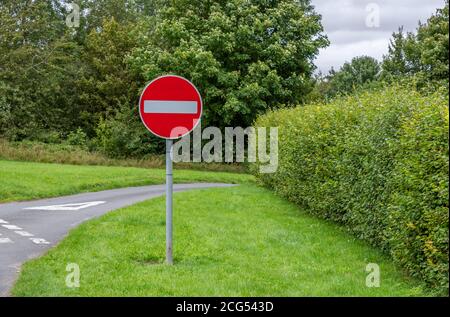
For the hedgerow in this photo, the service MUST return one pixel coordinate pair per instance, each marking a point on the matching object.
(376, 162)
(417, 228)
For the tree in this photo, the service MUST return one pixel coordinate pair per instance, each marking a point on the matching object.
(360, 72)
(94, 12)
(35, 66)
(107, 84)
(246, 56)
(54, 79)
(403, 58)
(433, 41)
(423, 54)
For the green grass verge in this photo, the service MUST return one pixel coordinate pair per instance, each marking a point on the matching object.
(27, 180)
(64, 153)
(239, 241)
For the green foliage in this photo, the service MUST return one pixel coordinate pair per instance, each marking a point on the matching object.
(361, 70)
(5, 109)
(417, 227)
(359, 160)
(255, 251)
(423, 54)
(65, 153)
(403, 58)
(48, 137)
(244, 56)
(361, 73)
(123, 135)
(36, 72)
(23, 180)
(54, 79)
(93, 13)
(78, 138)
(106, 84)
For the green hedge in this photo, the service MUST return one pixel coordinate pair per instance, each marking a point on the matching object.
(376, 162)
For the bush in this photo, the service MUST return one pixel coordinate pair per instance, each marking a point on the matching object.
(78, 138)
(417, 228)
(124, 136)
(354, 162)
(46, 136)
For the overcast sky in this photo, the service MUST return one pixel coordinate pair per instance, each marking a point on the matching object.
(354, 28)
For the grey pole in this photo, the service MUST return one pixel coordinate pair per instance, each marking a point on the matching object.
(169, 190)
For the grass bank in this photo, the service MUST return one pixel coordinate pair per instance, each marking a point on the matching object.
(240, 241)
(70, 154)
(28, 180)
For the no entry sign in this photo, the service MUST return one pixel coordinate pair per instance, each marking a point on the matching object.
(170, 106)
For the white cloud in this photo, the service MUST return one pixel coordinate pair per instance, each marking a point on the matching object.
(338, 54)
(345, 24)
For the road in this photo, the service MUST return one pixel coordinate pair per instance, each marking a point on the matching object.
(28, 229)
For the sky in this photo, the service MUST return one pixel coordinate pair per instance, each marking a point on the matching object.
(364, 27)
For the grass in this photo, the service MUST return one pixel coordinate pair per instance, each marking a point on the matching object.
(27, 180)
(239, 241)
(64, 153)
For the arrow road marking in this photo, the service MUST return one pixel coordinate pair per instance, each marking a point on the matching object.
(11, 227)
(170, 106)
(65, 207)
(24, 233)
(39, 241)
(5, 240)
(3, 221)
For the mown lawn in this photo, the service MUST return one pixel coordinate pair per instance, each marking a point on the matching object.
(27, 180)
(238, 241)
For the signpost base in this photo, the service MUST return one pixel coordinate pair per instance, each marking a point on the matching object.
(169, 191)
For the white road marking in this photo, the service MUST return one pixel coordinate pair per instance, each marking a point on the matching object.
(65, 207)
(3, 221)
(170, 106)
(11, 227)
(24, 233)
(39, 241)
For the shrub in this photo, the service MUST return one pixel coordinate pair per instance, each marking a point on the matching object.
(78, 138)
(417, 228)
(347, 162)
(123, 136)
(46, 136)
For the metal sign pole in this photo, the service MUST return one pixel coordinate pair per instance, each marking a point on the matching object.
(169, 190)
(166, 104)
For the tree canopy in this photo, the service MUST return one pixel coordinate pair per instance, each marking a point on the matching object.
(418, 58)
(357, 73)
(423, 54)
(245, 56)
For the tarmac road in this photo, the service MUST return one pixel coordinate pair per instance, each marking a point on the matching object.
(28, 229)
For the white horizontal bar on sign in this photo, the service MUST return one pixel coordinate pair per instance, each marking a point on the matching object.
(170, 106)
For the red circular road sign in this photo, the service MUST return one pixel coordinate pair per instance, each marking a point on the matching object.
(170, 106)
